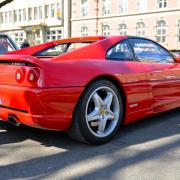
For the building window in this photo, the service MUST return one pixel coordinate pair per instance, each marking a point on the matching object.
(161, 4)
(30, 14)
(10, 17)
(52, 10)
(20, 15)
(161, 31)
(58, 11)
(122, 29)
(15, 15)
(24, 14)
(141, 5)
(140, 29)
(85, 8)
(178, 34)
(46, 11)
(59, 34)
(6, 17)
(40, 12)
(35, 13)
(48, 33)
(106, 7)
(1, 18)
(84, 31)
(52, 35)
(19, 37)
(123, 6)
(106, 30)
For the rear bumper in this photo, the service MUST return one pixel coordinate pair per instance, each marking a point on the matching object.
(41, 108)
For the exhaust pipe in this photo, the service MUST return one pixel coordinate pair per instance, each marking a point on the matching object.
(13, 119)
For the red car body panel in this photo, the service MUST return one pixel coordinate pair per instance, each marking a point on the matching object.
(41, 108)
(50, 102)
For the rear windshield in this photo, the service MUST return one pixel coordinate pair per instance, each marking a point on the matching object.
(59, 49)
(5, 45)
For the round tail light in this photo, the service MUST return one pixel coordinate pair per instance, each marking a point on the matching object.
(33, 75)
(20, 75)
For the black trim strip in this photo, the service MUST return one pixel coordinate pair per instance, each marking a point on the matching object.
(15, 63)
(15, 109)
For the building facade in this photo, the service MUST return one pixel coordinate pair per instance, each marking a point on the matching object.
(38, 21)
(155, 19)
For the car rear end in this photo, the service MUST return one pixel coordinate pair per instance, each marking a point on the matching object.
(24, 98)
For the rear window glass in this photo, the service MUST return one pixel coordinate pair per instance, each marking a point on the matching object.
(60, 49)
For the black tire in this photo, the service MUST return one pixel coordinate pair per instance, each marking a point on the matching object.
(79, 129)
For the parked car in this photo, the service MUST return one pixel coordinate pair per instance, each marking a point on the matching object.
(7, 44)
(88, 86)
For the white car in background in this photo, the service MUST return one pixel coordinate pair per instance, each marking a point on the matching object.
(7, 44)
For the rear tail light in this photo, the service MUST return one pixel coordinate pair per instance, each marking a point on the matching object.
(20, 75)
(33, 75)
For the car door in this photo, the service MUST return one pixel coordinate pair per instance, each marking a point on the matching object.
(162, 71)
(133, 79)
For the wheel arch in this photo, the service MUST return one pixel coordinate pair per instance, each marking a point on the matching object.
(118, 85)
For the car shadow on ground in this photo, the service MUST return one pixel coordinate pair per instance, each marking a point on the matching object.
(154, 128)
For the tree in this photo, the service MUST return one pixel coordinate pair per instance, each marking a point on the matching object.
(4, 2)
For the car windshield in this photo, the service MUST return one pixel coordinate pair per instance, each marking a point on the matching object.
(59, 49)
(5, 45)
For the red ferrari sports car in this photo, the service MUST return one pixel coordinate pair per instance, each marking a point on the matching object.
(88, 86)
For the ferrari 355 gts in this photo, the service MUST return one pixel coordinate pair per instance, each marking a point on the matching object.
(88, 86)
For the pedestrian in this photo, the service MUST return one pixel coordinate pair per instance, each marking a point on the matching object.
(25, 44)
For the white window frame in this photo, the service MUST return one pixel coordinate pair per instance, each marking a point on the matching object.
(47, 11)
(30, 13)
(161, 4)
(53, 10)
(122, 29)
(58, 11)
(35, 13)
(106, 7)
(54, 34)
(6, 17)
(40, 8)
(1, 18)
(141, 29)
(84, 30)
(106, 30)
(15, 16)
(123, 6)
(162, 28)
(84, 8)
(142, 5)
(24, 14)
(10, 16)
(19, 37)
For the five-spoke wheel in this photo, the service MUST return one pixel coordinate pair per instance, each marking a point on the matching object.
(102, 111)
(98, 114)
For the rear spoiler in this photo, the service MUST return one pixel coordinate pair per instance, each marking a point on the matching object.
(15, 59)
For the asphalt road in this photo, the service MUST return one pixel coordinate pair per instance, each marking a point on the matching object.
(148, 149)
